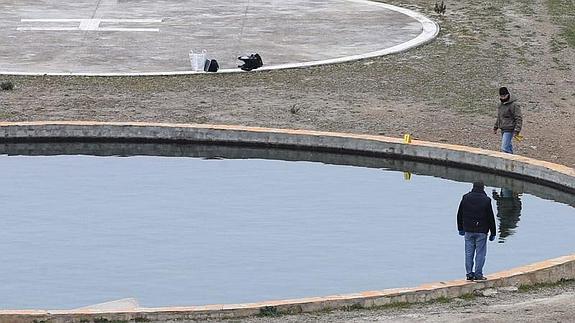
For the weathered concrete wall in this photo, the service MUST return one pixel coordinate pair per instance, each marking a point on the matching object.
(538, 171)
(313, 140)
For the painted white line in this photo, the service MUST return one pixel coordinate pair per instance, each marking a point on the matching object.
(103, 20)
(51, 20)
(78, 28)
(91, 25)
(128, 29)
(136, 21)
(47, 28)
(429, 31)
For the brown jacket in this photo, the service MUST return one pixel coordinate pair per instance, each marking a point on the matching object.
(509, 117)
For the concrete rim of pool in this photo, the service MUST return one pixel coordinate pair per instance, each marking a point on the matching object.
(558, 176)
(428, 31)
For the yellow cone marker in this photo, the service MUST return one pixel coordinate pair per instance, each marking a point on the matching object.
(407, 176)
(518, 137)
(407, 138)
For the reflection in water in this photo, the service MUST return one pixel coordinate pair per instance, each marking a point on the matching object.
(508, 211)
(50, 148)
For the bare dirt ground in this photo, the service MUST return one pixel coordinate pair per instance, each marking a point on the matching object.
(543, 304)
(445, 91)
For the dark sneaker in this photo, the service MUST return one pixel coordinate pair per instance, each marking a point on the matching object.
(471, 276)
(480, 277)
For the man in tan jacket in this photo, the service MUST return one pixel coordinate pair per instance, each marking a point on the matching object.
(509, 119)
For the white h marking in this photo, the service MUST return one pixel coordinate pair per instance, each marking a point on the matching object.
(91, 25)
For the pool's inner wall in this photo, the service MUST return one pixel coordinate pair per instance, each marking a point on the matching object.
(551, 174)
(545, 173)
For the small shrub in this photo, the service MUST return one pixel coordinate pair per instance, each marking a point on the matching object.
(105, 320)
(269, 311)
(7, 86)
(353, 307)
(294, 109)
(440, 8)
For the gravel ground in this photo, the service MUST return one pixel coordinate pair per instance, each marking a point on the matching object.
(445, 91)
(541, 304)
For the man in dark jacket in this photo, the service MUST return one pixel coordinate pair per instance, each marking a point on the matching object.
(509, 119)
(474, 220)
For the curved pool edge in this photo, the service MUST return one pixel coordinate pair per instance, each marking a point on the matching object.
(548, 271)
(430, 30)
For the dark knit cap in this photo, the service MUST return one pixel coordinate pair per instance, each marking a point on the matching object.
(478, 186)
(503, 91)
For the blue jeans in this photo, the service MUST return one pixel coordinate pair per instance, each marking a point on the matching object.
(506, 142)
(475, 247)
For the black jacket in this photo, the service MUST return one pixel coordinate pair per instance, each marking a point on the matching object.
(475, 213)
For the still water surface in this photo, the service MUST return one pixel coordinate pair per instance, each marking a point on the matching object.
(80, 230)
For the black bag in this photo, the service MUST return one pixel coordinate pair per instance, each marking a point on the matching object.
(251, 62)
(211, 65)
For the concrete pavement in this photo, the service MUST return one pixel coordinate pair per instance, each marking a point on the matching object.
(128, 37)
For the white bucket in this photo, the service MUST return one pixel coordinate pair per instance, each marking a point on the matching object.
(198, 60)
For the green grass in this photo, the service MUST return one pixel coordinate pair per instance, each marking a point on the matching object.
(468, 297)
(557, 44)
(353, 307)
(105, 320)
(269, 311)
(526, 7)
(569, 34)
(563, 13)
(404, 305)
(441, 300)
(529, 288)
(560, 65)
(4, 115)
(395, 306)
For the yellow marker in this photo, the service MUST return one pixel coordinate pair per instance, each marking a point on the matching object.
(407, 176)
(407, 138)
(518, 137)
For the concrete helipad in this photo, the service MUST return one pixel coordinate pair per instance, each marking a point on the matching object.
(108, 37)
